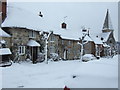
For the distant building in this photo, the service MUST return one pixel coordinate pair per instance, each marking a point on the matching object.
(107, 36)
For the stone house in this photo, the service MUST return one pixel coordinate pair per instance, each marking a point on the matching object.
(23, 42)
(66, 48)
(70, 49)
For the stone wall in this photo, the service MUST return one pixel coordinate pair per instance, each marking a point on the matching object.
(89, 48)
(60, 45)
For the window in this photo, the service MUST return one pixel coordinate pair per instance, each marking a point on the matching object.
(21, 50)
(52, 49)
(69, 42)
(52, 38)
(69, 50)
(32, 34)
(62, 42)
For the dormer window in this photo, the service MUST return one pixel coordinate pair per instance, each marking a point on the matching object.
(40, 14)
(64, 25)
(32, 34)
(84, 30)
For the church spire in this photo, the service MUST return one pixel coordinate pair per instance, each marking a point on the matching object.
(107, 26)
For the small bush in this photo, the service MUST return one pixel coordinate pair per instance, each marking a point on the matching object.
(41, 57)
(54, 56)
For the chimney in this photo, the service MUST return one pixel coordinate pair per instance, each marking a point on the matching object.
(40, 14)
(88, 33)
(4, 9)
(64, 25)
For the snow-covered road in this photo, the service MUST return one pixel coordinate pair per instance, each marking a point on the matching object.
(58, 74)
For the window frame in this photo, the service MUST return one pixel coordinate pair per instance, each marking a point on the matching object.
(32, 34)
(21, 50)
(52, 49)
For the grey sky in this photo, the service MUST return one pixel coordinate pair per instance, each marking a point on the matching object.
(88, 14)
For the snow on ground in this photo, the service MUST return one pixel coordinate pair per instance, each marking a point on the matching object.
(96, 73)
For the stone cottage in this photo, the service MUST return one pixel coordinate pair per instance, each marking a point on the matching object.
(67, 48)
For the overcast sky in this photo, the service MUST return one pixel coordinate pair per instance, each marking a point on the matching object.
(88, 14)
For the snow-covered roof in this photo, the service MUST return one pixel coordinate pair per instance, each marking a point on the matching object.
(88, 38)
(68, 34)
(19, 17)
(104, 35)
(97, 40)
(5, 51)
(105, 45)
(3, 33)
(33, 43)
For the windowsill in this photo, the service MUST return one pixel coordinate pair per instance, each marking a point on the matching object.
(32, 37)
(22, 54)
(52, 41)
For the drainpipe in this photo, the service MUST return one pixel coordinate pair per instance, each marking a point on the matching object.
(46, 45)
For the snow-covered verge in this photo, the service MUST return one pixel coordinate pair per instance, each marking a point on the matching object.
(96, 74)
(101, 73)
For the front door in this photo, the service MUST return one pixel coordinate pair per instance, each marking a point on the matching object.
(34, 54)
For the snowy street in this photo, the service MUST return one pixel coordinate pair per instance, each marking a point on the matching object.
(101, 73)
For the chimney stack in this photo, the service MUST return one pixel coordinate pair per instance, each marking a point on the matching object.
(3, 9)
(40, 14)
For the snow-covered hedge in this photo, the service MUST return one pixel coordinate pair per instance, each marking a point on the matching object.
(41, 57)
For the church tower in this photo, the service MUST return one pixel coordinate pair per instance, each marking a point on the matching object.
(107, 26)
